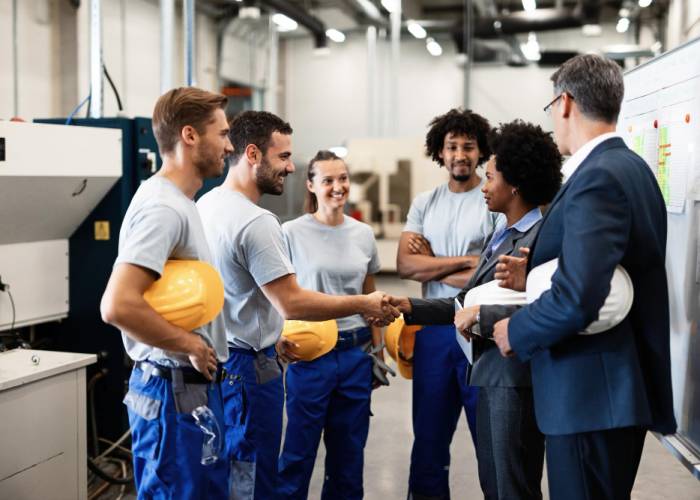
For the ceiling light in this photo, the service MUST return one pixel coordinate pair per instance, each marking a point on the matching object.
(644, 3)
(335, 35)
(416, 29)
(529, 5)
(622, 25)
(531, 49)
(284, 23)
(249, 13)
(392, 5)
(624, 12)
(433, 47)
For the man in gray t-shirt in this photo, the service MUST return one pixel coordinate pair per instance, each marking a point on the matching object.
(260, 292)
(175, 369)
(440, 247)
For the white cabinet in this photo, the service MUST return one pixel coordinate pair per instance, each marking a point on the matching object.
(43, 447)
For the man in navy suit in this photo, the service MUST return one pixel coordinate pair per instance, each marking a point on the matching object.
(596, 395)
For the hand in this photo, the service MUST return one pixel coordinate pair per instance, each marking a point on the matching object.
(500, 335)
(285, 350)
(377, 311)
(417, 244)
(465, 319)
(202, 356)
(403, 304)
(512, 271)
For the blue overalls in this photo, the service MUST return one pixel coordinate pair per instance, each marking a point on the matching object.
(440, 391)
(330, 394)
(167, 443)
(253, 403)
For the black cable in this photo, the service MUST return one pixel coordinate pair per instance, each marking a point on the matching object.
(114, 88)
(103, 475)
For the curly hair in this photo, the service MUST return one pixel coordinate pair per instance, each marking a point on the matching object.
(528, 159)
(255, 127)
(459, 122)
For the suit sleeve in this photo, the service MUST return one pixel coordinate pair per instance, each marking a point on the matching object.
(596, 232)
(431, 312)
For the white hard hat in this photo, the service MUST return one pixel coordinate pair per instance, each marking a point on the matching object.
(616, 307)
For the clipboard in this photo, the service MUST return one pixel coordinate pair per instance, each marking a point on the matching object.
(466, 346)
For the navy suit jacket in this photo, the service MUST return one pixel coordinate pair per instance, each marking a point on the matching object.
(609, 212)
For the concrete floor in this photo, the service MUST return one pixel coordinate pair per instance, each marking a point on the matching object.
(388, 449)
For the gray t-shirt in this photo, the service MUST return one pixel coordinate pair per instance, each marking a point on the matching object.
(332, 259)
(455, 224)
(160, 224)
(249, 251)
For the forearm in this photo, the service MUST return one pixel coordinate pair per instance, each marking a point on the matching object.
(427, 268)
(314, 306)
(376, 335)
(459, 279)
(140, 322)
(430, 312)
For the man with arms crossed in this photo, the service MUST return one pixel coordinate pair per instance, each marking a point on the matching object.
(175, 370)
(439, 247)
(260, 292)
(595, 395)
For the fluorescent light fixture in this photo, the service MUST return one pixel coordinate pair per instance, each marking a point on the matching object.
(392, 5)
(335, 35)
(249, 13)
(433, 47)
(284, 23)
(416, 29)
(531, 49)
(529, 5)
(370, 9)
(622, 25)
(644, 3)
(624, 12)
(340, 151)
(592, 30)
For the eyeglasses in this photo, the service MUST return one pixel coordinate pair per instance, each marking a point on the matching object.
(548, 108)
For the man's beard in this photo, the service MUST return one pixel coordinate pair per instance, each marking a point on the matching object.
(267, 179)
(462, 178)
(207, 163)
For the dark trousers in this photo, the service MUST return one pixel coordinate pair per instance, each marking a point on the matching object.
(440, 393)
(510, 448)
(600, 465)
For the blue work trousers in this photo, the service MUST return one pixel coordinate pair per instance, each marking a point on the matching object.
(167, 445)
(330, 394)
(253, 415)
(440, 391)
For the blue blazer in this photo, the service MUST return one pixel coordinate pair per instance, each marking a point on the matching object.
(610, 212)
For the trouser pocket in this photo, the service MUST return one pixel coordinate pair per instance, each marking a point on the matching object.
(144, 413)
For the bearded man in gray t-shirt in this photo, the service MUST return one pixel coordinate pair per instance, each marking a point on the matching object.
(175, 370)
(261, 291)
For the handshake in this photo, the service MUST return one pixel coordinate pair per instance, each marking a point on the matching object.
(381, 309)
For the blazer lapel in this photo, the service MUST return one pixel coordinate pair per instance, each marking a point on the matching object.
(504, 248)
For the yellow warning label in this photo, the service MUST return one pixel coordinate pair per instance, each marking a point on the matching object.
(102, 230)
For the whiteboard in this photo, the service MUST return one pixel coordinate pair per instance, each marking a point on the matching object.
(660, 120)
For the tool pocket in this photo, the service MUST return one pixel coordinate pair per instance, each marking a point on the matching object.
(144, 413)
(266, 369)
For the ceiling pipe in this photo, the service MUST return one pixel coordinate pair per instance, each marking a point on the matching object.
(96, 82)
(301, 16)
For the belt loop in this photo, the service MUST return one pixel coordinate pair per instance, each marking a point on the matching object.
(177, 379)
(147, 369)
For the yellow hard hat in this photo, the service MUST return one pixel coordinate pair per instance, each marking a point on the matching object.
(188, 294)
(314, 338)
(400, 340)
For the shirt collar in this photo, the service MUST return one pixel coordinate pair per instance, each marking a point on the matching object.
(579, 156)
(528, 220)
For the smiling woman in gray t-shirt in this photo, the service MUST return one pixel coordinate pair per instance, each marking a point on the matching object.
(337, 255)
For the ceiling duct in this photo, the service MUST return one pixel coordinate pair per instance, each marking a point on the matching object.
(312, 23)
(524, 22)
